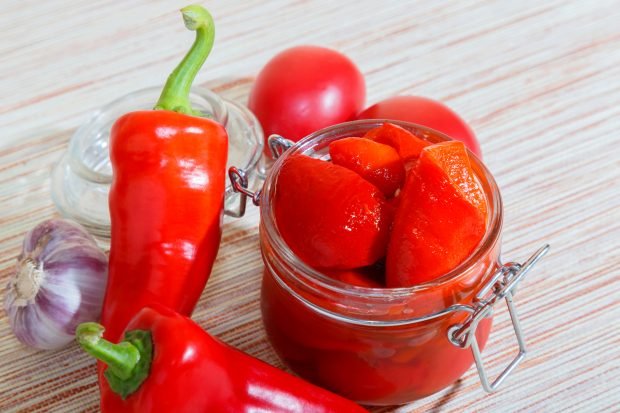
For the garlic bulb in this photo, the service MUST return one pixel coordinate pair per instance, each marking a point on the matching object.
(59, 282)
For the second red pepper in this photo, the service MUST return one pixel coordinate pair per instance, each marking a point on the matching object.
(167, 363)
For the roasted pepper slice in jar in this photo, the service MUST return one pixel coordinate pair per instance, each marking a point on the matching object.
(440, 219)
(406, 143)
(377, 163)
(330, 216)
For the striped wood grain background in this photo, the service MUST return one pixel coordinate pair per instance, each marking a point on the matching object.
(539, 82)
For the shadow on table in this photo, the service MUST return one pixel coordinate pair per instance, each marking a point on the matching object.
(438, 407)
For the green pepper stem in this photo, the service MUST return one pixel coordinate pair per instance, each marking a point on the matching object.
(129, 361)
(121, 358)
(175, 95)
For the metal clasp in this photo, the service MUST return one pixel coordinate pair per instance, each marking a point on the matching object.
(502, 285)
(278, 145)
(239, 178)
(239, 181)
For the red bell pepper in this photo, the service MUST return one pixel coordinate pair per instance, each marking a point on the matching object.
(167, 195)
(167, 363)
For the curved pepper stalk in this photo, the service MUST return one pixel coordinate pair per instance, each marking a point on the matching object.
(175, 95)
(128, 361)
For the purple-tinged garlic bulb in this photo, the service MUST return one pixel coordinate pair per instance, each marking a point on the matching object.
(59, 283)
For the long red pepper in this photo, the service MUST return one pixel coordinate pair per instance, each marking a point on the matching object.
(167, 195)
(167, 363)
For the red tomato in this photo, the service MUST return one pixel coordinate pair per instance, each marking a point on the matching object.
(304, 89)
(426, 112)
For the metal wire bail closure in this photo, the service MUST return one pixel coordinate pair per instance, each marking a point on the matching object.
(239, 178)
(501, 286)
(278, 145)
(239, 181)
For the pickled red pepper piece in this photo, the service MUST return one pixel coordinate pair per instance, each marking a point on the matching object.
(330, 216)
(441, 217)
(406, 143)
(377, 163)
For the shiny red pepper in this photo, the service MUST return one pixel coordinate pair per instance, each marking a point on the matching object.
(167, 363)
(167, 196)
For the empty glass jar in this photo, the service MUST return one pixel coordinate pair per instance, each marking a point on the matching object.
(81, 180)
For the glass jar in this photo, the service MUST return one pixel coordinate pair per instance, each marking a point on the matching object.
(81, 180)
(381, 346)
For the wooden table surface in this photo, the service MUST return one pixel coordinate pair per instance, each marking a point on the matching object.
(538, 81)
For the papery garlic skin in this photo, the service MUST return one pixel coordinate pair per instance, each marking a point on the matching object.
(59, 282)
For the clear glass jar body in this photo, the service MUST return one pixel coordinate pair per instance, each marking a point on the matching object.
(374, 346)
(81, 180)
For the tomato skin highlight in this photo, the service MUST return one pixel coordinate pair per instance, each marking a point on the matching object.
(304, 89)
(426, 112)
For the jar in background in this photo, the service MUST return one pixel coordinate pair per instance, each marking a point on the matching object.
(81, 180)
(382, 346)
